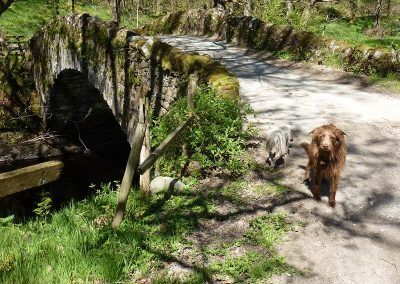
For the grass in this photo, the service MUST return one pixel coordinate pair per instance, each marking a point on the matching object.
(77, 243)
(352, 33)
(25, 17)
(253, 266)
(268, 230)
(270, 188)
(390, 81)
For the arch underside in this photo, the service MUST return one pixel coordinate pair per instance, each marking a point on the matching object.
(78, 113)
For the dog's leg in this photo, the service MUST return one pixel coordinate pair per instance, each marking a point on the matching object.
(332, 192)
(316, 186)
(307, 173)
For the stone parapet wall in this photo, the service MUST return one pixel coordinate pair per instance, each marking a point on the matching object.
(122, 65)
(251, 32)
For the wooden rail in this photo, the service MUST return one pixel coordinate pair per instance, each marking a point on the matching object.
(152, 158)
(29, 177)
(162, 147)
(141, 148)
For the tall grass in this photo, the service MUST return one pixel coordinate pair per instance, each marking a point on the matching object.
(78, 244)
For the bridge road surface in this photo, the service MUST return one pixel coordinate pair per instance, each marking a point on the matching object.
(359, 240)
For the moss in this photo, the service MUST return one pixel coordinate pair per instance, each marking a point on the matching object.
(210, 71)
(225, 84)
(119, 39)
(175, 60)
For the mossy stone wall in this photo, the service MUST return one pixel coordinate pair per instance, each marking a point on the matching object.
(251, 32)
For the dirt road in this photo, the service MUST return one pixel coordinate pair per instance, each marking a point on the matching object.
(359, 240)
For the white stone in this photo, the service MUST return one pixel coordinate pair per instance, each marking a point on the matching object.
(163, 183)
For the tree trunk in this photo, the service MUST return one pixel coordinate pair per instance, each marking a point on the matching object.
(73, 6)
(220, 3)
(353, 10)
(137, 13)
(289, 7)
(158, 8)
(173, 7)
(389, 8)
(378, 9)
(115, 10)
(307, 11)
(247, 8)
(4, 4)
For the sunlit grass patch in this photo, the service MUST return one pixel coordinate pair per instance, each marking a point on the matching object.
(234, 191)
(353, 33)
(391, 81)
(221, 249)
(252, 267)
(267, 230)
(268, 188)
(25, 17)
(250, 264)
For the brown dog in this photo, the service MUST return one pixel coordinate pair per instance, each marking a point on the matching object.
(327, 155)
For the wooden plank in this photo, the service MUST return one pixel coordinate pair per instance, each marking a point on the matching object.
(29, 177)
(143, 167)
(131, 166)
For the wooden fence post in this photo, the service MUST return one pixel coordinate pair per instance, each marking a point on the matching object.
(144, 179)
(191, 92)
(131, 166)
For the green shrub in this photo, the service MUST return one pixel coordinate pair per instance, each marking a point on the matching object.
(214, 139)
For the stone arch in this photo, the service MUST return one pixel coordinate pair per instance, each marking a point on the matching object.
(78, 113)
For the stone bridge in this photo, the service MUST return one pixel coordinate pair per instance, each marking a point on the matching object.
(91, 74)
(88, 71)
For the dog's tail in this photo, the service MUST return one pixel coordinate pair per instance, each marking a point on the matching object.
(306, 148)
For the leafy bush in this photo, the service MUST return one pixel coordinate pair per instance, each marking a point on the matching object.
(214, 139)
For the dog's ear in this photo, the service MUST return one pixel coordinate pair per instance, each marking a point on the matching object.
(340, 131)
(314, 131)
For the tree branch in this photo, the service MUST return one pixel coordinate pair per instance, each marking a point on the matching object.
(4, 4)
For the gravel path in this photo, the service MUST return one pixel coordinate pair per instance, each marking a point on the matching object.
(359, 240)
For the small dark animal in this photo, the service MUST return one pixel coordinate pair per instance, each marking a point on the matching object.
(278, 143)
(327, 155)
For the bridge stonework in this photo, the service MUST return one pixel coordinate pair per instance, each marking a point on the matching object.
(121, 65)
